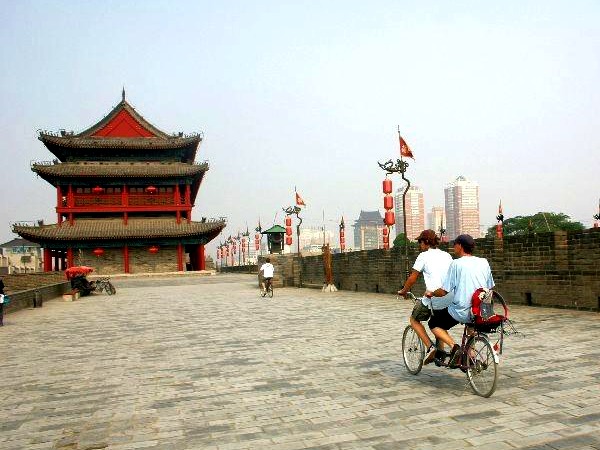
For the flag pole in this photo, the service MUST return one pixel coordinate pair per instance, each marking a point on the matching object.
(404, 206)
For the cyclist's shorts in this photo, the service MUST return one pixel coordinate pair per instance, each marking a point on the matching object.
(268, 278)
(420, 312)
(442, 319)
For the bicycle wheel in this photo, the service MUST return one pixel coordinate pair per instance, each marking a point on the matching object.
(413, 351)
(110, 289)
(270, 291)
(482, 368)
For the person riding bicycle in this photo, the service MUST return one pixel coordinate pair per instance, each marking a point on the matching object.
(465, 275)
(433, 263)
(267, 270)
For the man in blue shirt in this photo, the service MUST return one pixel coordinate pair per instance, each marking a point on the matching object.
(465, 275)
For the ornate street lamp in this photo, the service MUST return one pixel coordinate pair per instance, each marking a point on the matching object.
(295, 210)
(246, 244)
(597, 216)
(400, 167)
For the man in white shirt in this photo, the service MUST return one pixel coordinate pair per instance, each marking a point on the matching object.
(465, 275)
(433, 263)
(267, 270)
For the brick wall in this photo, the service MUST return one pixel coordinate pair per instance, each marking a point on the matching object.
(548, 269)
(140, 260)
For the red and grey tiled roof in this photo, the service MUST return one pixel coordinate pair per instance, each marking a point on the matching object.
(115, 229)
(142, 143)
(119, 170)
(88, 138)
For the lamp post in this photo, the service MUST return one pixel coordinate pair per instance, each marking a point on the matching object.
(246, 243)
(400, 167)
(295, 210)
(597, 216)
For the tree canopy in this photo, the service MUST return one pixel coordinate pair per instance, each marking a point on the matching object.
(400, 240)
(541, 222)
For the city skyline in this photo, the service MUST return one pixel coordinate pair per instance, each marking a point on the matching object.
(311, 96)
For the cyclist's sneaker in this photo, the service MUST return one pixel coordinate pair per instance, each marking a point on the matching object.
(440, 357)
(455, 356)
(430, 355)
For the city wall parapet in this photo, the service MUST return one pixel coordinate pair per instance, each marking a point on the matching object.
(558, 269)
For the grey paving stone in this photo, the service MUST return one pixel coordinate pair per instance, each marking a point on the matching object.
(203, 363)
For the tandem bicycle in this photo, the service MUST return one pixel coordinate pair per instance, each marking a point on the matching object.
(479, 351)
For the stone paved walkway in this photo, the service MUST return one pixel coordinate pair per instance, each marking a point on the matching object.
(203, 363)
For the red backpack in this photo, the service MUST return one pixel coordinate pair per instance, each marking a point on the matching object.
(482, 307)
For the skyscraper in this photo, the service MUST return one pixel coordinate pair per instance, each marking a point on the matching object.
(436, 218)
(415, 211)
(462, 208)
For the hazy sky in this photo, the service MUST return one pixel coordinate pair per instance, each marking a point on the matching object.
(309, 94)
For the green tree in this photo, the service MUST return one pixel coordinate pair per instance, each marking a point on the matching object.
(400, 240)
(541, 222)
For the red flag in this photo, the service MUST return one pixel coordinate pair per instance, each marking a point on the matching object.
(405, 149)
(299, 200)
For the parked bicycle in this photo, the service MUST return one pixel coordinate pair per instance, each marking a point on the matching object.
(104, 284)
(479, 357)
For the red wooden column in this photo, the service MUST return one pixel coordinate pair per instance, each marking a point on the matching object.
(58, 203)
(70, 202)
(188, 202)
(180, 257)
(126, 259)
(69, 257)
(201, 259)
(177, 195)
(47, 260)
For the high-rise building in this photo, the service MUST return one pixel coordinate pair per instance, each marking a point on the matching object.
(313, 238)
(368, 230)
(436, 218)
(462, 208)
(415, 211)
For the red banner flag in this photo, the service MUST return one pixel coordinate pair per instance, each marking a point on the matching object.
(405, 149)
(299, 200)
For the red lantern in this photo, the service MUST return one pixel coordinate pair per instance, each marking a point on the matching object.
(98, 252)
(288, 221)
(386, 245)
(342, 233)
(288, 240)
(386, 239)
(288, 231)
(97, 190)
(151, 190)
(153, 249)
(390, 219)
(385, 231)
(244, 246)
(387, 186)
(388, 202)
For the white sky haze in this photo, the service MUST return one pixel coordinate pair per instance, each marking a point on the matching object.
(309, 94)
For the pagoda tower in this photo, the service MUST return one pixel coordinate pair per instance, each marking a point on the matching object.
(124, 197)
